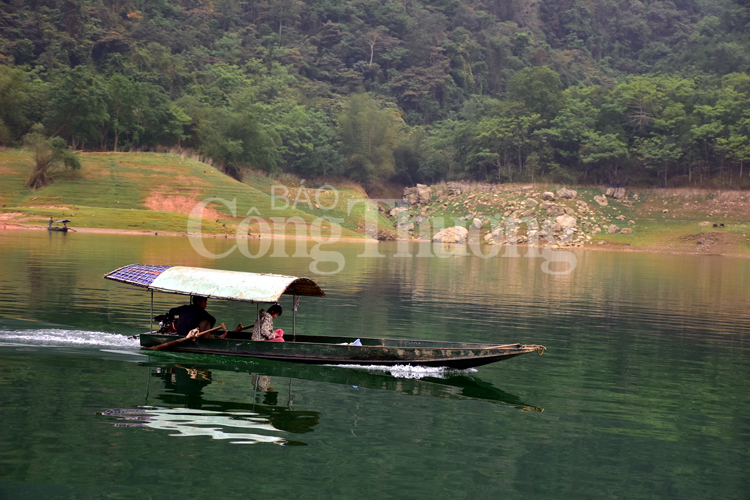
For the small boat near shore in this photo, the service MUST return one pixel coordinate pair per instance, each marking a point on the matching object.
(64, 228)
(297, 348)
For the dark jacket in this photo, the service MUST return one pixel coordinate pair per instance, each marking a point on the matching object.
(190, 317)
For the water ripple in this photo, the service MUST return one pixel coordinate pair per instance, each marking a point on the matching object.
(52, 337)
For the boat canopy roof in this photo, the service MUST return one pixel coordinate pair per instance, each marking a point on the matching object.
(215, 283)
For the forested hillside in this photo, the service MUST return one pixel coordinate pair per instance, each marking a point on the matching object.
(651, 92)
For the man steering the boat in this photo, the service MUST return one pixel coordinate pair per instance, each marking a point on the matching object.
(193, 316)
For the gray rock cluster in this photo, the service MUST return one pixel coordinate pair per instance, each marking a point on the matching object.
(418, 195)
(544, 217)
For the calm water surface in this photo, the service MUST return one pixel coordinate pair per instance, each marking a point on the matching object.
(643, 392)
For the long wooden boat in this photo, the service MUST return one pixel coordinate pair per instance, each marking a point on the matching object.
(63, 228)
(298, 348)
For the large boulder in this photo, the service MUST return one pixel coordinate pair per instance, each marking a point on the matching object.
(455, 234)
(418, 195)
(567, 193)
(566, 221)
(424, 194)
(395, 211)
(531, 202)
(385, 235)
(617, 193)
(476, 223)
(555, 211)
(548, 196)
(411, 195)
(601, 200)
(546, 205)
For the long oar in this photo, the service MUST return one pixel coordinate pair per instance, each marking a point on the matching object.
(239, 328)
(173, 342)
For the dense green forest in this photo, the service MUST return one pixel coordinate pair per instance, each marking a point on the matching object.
(646, 92)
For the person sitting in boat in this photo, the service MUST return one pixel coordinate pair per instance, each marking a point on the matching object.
(263, 327)
(193, 316)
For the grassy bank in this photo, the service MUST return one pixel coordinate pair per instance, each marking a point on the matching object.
(156, 192)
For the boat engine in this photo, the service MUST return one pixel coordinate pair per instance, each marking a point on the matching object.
(167, 322)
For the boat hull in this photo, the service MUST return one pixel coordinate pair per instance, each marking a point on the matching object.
(60, 229)
(322, 350)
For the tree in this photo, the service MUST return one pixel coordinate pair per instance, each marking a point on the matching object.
(377, 36)
(571, 127)
(443, 145)
(307, 138)
(737, 146)
(707, 129)
(507, 132)
(369, 135)
(123, 99)
(539, 89)
(13, 96)
(422, 89)
(78, 106)
(410, 156)
(47, 155)
(657, 153)
(604, 151)
(235, 137)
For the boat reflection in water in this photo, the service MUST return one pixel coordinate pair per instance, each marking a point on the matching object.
(414, 381)
(269, 415)
(184, 409)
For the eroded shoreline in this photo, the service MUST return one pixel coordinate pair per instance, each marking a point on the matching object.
(603, 247)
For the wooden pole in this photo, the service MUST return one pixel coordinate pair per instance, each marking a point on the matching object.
(151, 323)
(504, 346)
(174, 342)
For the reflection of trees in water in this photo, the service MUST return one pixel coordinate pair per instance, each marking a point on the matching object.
(472, 298)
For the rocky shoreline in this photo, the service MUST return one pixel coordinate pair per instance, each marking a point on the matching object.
(507, 214)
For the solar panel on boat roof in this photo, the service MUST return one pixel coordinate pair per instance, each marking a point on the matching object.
(137, 274)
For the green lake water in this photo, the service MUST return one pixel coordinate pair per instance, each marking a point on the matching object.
(642, 393)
